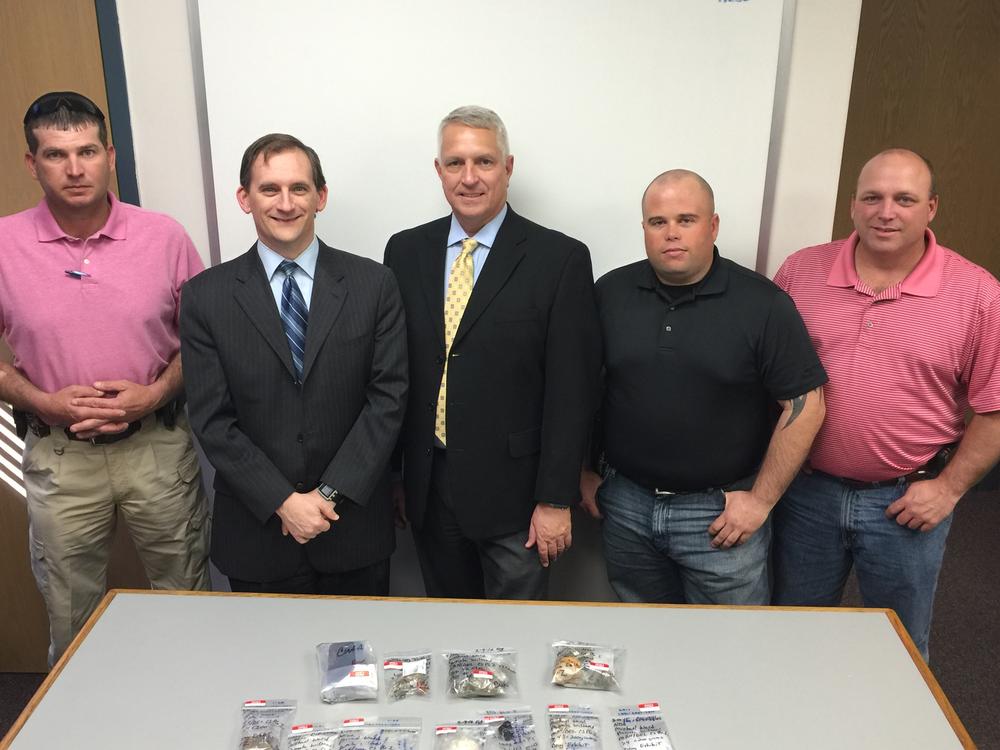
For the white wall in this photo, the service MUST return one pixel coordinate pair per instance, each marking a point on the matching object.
(813, 85)
(598, 98)
(814, 68)
(807, 137)
(161, 92)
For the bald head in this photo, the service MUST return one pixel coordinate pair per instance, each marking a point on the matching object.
(674, 176)
(902, 156)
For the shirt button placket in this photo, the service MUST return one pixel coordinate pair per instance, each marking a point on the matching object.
(666, 332)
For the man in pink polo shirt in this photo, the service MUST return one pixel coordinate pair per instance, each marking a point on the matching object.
(89, 299)
(909, 332)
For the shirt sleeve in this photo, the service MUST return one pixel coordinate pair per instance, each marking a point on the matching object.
(188, 265)
(783, 278)
(983, 371)
(788, 360)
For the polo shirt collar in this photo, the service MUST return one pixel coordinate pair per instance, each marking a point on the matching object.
(48, 229)
(923, 281)
(715, 281)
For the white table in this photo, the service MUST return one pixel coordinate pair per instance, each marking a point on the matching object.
(169, 670)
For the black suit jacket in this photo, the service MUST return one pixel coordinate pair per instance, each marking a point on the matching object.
(522, 377)
(269, 436)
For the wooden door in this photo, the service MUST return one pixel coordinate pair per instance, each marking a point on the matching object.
(927, 77)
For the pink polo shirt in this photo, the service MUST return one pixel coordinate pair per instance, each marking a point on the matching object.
(117, 322)
(903, 363)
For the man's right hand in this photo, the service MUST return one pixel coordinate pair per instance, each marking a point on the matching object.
(590, 481)
(56, 409)
(306, 515)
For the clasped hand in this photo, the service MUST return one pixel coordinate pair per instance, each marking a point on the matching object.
(105, 408)
(306, 515)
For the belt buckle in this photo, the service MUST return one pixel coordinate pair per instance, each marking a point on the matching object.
(662, 493)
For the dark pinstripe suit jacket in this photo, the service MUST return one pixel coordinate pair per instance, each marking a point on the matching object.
(268, 436)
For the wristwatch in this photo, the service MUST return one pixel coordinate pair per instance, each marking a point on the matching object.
(329, 493)
(558, 506)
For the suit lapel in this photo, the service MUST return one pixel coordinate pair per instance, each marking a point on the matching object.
(329, 294)
(432, 273)
(506, 253)
(255, 298)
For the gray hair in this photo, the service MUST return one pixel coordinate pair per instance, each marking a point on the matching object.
(476, 117)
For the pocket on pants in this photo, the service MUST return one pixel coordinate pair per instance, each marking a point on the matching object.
(188, 468)
(39, 565)
(40, 464)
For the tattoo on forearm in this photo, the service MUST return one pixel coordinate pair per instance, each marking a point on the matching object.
(798, 404)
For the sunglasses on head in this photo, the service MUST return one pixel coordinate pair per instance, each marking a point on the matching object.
(49, 103)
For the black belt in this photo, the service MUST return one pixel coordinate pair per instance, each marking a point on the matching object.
(133, 427)
(861, 484)
(25, 422)
(929, 470)
(657, 489)
(40, 429)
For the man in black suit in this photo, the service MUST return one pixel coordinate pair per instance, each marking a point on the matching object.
(493, 442)
(295, 355)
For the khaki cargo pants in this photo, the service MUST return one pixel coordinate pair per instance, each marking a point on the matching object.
(74, 489)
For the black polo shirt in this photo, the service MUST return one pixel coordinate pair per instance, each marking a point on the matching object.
(692, 380)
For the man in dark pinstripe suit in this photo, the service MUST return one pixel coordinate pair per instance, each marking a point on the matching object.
(295, 361)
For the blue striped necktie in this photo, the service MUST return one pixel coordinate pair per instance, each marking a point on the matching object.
(294, 315)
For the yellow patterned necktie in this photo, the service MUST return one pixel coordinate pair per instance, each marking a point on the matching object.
(460, 281)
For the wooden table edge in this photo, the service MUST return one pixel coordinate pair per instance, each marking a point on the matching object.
(56, 670)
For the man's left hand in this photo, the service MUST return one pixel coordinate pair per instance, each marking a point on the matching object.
(744, 514)
(136, 400)
(551, 530)
(924, 505)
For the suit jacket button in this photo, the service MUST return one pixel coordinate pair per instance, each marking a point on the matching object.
(300, 437)
(429, 451)
(440, 360)
(299, 486)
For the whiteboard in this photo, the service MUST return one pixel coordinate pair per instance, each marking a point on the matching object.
(598, 98)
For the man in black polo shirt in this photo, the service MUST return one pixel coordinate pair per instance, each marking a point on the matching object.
(697, 350)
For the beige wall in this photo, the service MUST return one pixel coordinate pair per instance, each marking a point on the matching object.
(811, 102)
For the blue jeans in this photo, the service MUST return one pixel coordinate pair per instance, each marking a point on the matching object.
(822, 527)
(658, 548)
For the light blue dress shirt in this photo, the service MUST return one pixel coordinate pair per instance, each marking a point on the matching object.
(485, 237)
(303, 275)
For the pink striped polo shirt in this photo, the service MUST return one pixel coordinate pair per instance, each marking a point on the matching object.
(904, 363)
(119, 321)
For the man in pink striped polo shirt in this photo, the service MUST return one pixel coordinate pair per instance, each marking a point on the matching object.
(89, 300)
(909, 332)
